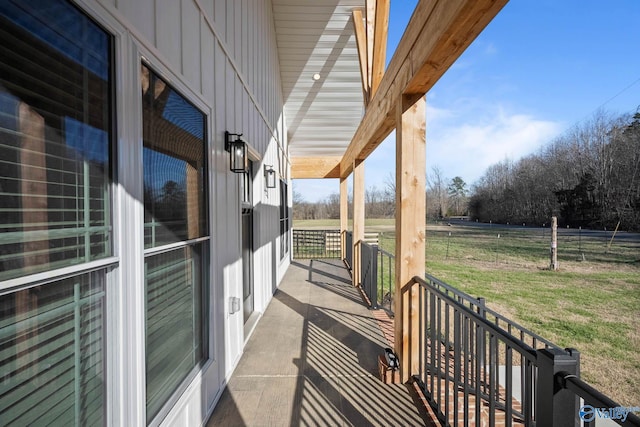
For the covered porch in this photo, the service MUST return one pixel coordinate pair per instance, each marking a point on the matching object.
(312, 359)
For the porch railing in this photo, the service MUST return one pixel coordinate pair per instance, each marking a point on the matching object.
(377, 276)
(316, 243)
(348, 242)
(594, 400)
(478, 367)
(475, 366)
(369, 272)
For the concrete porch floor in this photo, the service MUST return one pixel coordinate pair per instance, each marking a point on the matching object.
(312, 360)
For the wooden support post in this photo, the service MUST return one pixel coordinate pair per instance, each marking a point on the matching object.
(344, 215)
(554, 244)
(410, 229)
(358, 217)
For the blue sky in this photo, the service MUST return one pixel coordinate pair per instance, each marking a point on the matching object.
(539, 68)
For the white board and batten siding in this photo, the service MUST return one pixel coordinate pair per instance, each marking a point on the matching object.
(224, 52)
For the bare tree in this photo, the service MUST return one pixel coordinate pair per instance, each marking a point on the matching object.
(437, 197)
(588, 176)
(298, 198)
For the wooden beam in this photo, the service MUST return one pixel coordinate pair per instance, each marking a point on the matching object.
(315, 167)
(381, 29)
(361, 43)
(358, 217)
(465, 26)
(410, 230)
(370, 15)
(438, 32)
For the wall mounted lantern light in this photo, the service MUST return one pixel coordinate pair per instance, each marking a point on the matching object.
(237, 149)
(270, 176)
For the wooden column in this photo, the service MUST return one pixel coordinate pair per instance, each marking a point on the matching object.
(344, 214)
(410, 229)
(358, 217)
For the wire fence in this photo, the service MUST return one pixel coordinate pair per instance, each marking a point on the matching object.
(523, 246)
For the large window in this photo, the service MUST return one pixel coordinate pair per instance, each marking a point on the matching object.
(176, 238)
(55, 174)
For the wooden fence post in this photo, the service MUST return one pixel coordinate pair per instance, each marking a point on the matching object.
(554, 244)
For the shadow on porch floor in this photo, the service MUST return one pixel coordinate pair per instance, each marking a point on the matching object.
(312, 360)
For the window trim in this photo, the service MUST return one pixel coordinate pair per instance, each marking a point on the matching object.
(176, 245)
(46, 277)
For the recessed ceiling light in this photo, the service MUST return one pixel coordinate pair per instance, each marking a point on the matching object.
(316, 76)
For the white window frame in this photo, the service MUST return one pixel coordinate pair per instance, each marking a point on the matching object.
(111, 263)
(144, 54)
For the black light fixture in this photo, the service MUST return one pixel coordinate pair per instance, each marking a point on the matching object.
(269, 176)
(237, 149)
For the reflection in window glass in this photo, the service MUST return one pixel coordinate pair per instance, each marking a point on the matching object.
(174, 165)
(55, 135)
(174, 333)
(55, 132)
(52, 353)
(175, 212)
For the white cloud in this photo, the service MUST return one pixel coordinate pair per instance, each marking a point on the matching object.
(490, 49)
(435, 114)
(466, 147)
(463, 141)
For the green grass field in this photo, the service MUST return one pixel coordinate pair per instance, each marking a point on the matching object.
(592, 303)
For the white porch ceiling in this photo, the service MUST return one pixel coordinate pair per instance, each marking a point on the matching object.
(318, 37)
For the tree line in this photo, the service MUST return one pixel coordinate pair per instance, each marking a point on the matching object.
(589, 177)
(445, 197)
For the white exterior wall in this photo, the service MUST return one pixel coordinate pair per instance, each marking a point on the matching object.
(221, 55)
